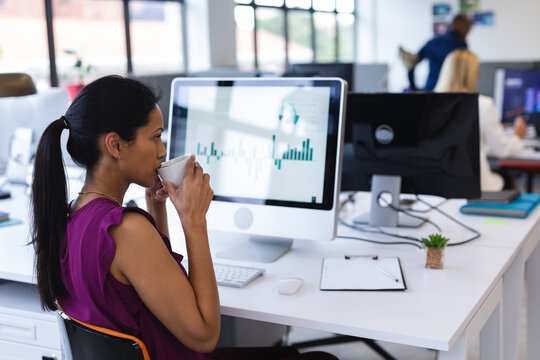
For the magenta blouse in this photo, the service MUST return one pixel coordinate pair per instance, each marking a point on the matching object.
(95, 296)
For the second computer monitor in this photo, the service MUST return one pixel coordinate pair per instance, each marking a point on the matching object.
(517, 92)
(272, 148)
(428, 142)
(343, 71)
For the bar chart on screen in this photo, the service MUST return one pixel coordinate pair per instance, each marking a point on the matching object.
(263, 147)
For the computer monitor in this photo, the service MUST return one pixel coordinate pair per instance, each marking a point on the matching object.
(272, 147)
(517, 92)
(32, 111)
(343, 71)
(418, 143)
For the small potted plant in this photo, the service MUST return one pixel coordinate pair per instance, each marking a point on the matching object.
(435, 244)
(81, 69)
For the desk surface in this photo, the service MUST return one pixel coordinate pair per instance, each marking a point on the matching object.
(432, 313)
(527, 154)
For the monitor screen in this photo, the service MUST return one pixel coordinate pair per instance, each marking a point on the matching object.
(429, 140)
(517, 92)
(271, 147)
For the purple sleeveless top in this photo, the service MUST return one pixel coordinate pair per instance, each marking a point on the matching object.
(95, 296)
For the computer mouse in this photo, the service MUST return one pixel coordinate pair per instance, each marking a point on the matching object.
(289, 286)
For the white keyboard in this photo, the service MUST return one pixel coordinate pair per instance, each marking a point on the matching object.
(234, 275)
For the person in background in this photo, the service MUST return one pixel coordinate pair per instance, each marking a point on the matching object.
(436, 50)
(460, 73)
(110, 265)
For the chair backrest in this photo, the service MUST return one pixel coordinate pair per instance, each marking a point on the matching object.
(16, 84)
(82, 341)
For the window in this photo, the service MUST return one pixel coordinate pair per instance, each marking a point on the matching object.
(156, 37)
(300, 35)
(270, 38)
(244, 17)
(325, 37)
(112, 36)
(24, 50)
(346, 37)
(271, 34)
(91, 32)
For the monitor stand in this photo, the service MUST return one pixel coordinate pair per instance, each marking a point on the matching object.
(385, 190)
(262, 249)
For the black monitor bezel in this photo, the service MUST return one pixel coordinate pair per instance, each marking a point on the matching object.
(337, 90)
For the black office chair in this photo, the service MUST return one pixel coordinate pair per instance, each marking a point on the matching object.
(82, 341)
(16, 84)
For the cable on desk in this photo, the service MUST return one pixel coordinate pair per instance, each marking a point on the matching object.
(428, 209)
(436, 208)
(379, 231)
(477, 234)
(408, 213)
(383, 232)
(379, 242)
(349, 199)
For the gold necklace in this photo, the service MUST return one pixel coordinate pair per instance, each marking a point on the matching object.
(100, 193)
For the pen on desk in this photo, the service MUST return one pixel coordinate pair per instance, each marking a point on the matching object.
(372, 257)
(387, 273)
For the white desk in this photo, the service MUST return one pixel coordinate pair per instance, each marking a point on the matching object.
(521, 236)
(433, 313)
(442, 309)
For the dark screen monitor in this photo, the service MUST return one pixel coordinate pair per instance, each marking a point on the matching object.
(423, 143)
(340, 70)
(517, 92)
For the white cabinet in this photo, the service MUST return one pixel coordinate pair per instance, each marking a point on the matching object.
(26, 331)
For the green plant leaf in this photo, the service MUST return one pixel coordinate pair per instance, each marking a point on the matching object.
(435, 241)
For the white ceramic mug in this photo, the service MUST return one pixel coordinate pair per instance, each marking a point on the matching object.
(173, 170)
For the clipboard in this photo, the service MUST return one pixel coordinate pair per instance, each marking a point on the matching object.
(362, 273)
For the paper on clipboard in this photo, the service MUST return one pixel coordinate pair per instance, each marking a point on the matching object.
(362, 273)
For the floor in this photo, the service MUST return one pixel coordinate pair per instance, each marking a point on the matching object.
(360, 351)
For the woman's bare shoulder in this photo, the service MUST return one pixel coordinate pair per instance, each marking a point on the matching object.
(134, 226)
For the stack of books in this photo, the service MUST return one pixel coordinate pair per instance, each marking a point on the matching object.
(506, 204)
(5, 220)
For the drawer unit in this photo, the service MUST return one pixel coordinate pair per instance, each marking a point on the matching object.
(26, 331)
(15, 351)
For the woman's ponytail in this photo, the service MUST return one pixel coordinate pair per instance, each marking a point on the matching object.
(49, 202)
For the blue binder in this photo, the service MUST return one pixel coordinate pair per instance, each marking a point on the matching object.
(519, 208)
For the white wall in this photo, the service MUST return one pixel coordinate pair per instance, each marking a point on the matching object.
(222, 33)
(390, 23)
(515, 36)
(211, 39)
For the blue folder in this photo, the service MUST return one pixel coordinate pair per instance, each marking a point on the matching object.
(519, 208)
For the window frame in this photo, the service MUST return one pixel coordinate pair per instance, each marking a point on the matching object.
(127, 36)
(311, 11)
